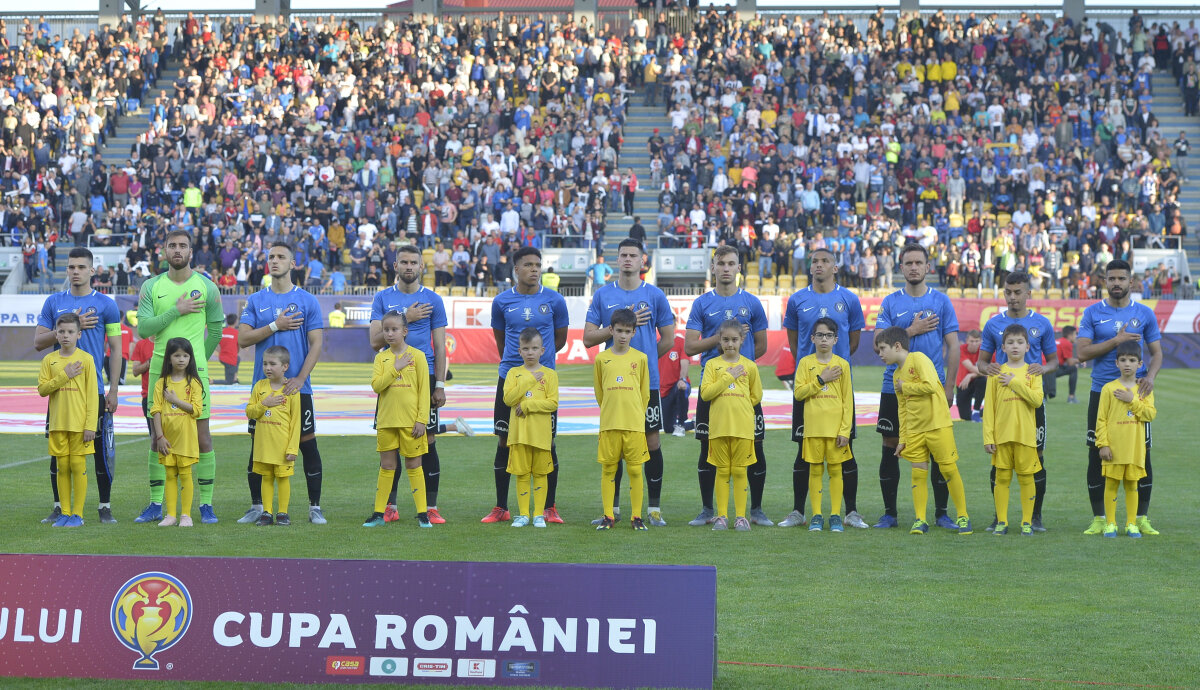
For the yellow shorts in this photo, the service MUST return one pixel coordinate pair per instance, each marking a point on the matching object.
(523, 459)
(939, 443)
(266, 469)
(395, 438)
(819, 451)
(1019, 458)
(615, 445)
(64, 443)
(1125, 471)
(727, 451)
(173, 460)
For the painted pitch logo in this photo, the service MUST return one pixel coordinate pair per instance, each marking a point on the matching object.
(150, 613)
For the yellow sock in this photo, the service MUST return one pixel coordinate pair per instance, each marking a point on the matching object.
(608, 488)
(285, 493)
(186, 490)
(416, 481)
(1110, 500)
(637, 490)
(63, 478)
(1001, 493)
(523, 489)
(954, 483)
(78, 484)
(171, 494)
(1028, 496)
(815, 488)
(741, 489)
(721, 492)
(268, 493)
(540, 486)
(920, 491)
(1131, 501)
(835, 489)
(383, 487)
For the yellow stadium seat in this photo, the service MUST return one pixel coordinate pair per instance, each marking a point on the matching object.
(785, 282)
(861, 208)
(442, 290)
(427, 279)
(1003, 219)
(458, 291)
(800, 282)
(752, 282)
(768, 284)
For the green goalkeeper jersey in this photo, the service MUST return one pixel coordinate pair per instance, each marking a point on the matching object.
(159, 317)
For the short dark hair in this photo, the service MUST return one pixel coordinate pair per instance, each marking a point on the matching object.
(630, 242)
(230, 319)
(1119, 265)
(1017, 277)
(624, 317)
(913, 247)
(178, 233)
(974, 333)
(826, 322)
(819, 250)
(893, 335)
(1014, 329)
(1067, 331)
(69, 317)
(1130, 348)
(527, 251)
(81, 253)
(726, 249)
(407, 249)
(279, 351)
(283, 245)
(529, 333)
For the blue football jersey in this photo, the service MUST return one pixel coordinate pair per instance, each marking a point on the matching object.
(645, 339)
(901, 309)
(513, 312)
(420, 333)
(1041, 337)
(1102, 321)
(710, 309)
(264, 307)
(806, 306)
(91, 340)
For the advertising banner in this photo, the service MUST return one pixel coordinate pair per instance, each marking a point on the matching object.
(264, 620)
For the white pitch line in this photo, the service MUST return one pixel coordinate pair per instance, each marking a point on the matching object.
(47, 457)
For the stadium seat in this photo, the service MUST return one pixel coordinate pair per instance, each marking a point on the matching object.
(768, 286)
(861, 208)
(785, 282)
(800, 282)
(458, 291)
(442, 290)
(1003, 218)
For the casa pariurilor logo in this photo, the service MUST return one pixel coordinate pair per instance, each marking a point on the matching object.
(150, 613)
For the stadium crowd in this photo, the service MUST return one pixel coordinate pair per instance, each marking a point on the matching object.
(1024, 145)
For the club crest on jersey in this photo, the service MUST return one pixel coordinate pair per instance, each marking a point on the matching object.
(89, 310)
(195, 294)
(732, 386)
(291, 309)
(1132, 322)
(267, 413)
(641, 306)
(1034, 332)
(528, 394)
(1128, 413)
(620, 379)
(922, 314)
(840, 306)
(673, 356)
(149, 613)
(743, 312)
(527, 313)
(544, 308)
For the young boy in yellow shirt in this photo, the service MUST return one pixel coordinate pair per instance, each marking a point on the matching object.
(276, 439)
(732, 386)
(1121, 438)
(621, 379)
(68, 378)
(1010, 428)
(401, 380)
(823, 382)
(531, 393)
(925, 427)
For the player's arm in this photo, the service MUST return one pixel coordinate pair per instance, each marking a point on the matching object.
(989, 411)
(316, 340)
(215, 316)
(294, 418)
(594, 334)
(855, 324)
(805, 385)
(793, 337)
(139, 366)
(43, 338)
(422, 386)
(382, 376)
(516, 386)
(950, 339)
(666, 339)
(548, 404)
(560, 338)
(685, 364)
(1144, 408)
(498, 334)
(439, 355)
(760, 344)
(375, 331)
(598, 381)
(255, 408)
(1032, 394)
(694, 344)
(756, 391)
(1156, 358)
(195, 401)
(712, 385)
(49, 382)
(927, 382)
(855, 338)
(150, 323)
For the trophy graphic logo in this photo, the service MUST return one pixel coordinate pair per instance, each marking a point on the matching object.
(150, 613)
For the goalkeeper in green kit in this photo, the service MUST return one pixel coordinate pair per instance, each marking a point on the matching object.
(182, 303)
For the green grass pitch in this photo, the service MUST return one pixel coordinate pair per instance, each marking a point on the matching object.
(977, 611)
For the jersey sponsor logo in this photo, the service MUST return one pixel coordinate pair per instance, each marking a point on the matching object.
(728, 314)
(611, 306)
(1128, 413)
(823, 313)
(529, 394)
(620, 379)
(345, 665)
(150, 613)
(265, 414)
(673, 356)
(528, 313)
(1106, 321)
(732, 386)
(808, 309)
(885, 425)
(1117, 326)
(901, 313)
